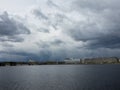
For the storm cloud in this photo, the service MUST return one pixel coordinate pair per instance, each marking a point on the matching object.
(101, 28)
(11, 29)
(39, 14)
(54, 30)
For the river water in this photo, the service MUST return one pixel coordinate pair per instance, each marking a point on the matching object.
(60, 77)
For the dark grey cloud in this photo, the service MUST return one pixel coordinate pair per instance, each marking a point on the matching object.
(44, 30)
(10, 29)
(57, 42)
(83, 31)
(6, 45)
(106, 41)
(93, 5)
(47, 44)
(42, 44)
(58, 20)
(96, 5)
(17, 56)
(11, 39)
(102, 29)
(51, 19)
(52, 4)
(39, 14)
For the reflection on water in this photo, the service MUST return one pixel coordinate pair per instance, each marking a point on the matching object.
(60, 77)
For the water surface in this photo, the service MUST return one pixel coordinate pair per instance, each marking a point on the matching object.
(60, 77)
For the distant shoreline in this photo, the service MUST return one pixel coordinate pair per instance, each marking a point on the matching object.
(67, 61)
(28, 64)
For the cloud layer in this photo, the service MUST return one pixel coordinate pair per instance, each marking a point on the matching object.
(54, 30)
(11, 29)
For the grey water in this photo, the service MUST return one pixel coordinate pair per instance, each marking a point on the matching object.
(60, 77)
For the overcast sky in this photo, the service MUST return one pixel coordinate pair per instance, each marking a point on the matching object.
(58, 29)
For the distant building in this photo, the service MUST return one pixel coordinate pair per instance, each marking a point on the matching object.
(119, 60)
(101, 60)
(32, 62)
(71, 61)
(82, 61)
